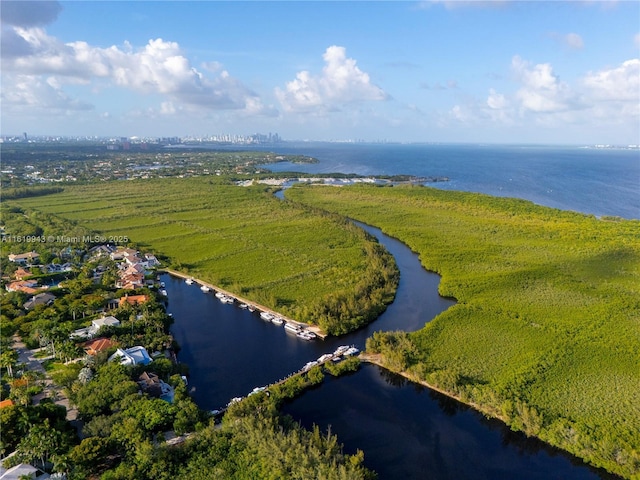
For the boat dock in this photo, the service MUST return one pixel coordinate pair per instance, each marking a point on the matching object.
(339, 354)
(207, 287)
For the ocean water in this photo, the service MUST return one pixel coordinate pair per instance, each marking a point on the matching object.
(593, 181)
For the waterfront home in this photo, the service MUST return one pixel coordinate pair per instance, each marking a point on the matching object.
(39, 299)
(24, 258)
(132, 356)
(151, 384)
(151, 260)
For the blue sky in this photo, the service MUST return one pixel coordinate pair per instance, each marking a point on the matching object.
(483, 71)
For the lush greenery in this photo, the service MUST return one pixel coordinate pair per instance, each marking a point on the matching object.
(546, 331)
(309, 265)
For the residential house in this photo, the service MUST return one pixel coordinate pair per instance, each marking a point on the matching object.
(151, 260)
(24, 258)
(59, 268)
(21, 273)
(21, 472)
(133, 300)
(109, 321)
(94, 328)
(6, 403)
(39, 299)
(131, 277)
(101, 251)
(98, 345)
(151, 384)
(25, 286)
(112, 304)
(132, 356)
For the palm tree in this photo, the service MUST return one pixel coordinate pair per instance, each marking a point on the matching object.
(8, 358)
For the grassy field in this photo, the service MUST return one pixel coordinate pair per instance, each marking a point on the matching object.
(546, 332)
(242, 239)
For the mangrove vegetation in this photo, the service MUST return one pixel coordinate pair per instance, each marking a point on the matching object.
(546, 331)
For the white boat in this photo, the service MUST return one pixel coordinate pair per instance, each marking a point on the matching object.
(290, 327)
(219, 295)
(306, 335)
(309, 366)
(226, 299)
(163, 292)
(266, 316)
(205, 289)
(325, 357)
(189, 281)
(277, 321)
(162, 284)
(351, 351)
(252, 308)
(341, 349)
(243, 305)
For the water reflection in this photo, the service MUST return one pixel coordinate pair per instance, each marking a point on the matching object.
(405, 432)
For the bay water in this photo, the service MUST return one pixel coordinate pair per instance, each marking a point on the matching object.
(405, 430)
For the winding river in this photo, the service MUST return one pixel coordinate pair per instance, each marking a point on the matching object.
(405, 430)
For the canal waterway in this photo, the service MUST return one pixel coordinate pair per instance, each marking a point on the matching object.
(405, 430)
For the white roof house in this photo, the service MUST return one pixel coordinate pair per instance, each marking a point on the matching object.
(23, 470)
(109, 321)
(132, 356)
(96, 325)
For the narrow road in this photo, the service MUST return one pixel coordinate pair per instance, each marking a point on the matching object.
(27, 357)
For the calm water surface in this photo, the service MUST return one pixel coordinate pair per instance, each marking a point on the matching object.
(406, 431)
(593, 181)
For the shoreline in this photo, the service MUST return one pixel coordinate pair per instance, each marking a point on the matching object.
(311, 327)
(376, 359)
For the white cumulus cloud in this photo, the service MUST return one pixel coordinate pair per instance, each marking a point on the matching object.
(159, 67)
(340, 82)
(619, 83)
(541, 90)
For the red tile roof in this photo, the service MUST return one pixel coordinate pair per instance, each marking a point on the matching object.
(98, 345)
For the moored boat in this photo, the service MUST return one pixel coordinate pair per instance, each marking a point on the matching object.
(205, 289)
(277, 321)
(303, 334)
(351, 351)
(189, 281)
(266, 316)
(325, 357)
(341, 349)
(309, 365)
(290, 327)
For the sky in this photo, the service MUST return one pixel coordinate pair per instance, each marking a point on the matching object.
(555, 72)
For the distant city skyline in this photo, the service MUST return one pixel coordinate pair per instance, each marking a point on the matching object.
(435, 71)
